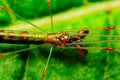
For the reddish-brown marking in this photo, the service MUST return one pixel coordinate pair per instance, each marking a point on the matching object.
(108, 49)
(24, 37)
(1, 55)
(2, 32)
(49, 3)
(82, 51)
(47, 41)
(44, 74)
(109, 28)
(4, 8)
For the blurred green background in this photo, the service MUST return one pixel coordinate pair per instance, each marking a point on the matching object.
(65, 64)
(31, 9)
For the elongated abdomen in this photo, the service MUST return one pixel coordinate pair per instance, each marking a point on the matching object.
(21, 37)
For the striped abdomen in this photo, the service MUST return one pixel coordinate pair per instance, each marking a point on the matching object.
(21, 37)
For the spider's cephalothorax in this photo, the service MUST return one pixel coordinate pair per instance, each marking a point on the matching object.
(64, 38)
(60, 39)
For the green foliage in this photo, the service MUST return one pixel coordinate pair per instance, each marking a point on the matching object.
(95, 0)
(37, 8)
(25, 8)
(60, 5)
(31, 9)
(67, 64)
(5, 18)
